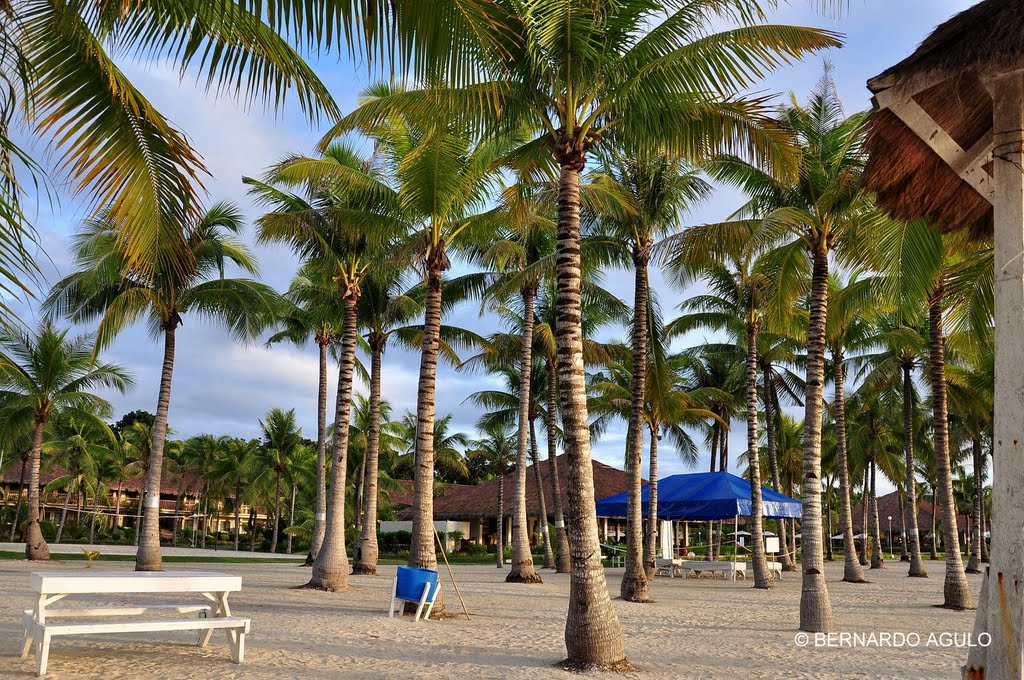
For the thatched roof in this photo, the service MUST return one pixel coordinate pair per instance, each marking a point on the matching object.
(945, 76)
(463, 502)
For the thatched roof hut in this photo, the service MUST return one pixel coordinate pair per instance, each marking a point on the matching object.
(947, 143)
(948, 177)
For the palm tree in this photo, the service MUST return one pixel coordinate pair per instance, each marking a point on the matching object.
(918, 262)
(281, 438)
(82, 440)
(629, 80)
(117, 149)
(652, 192)
(671, 401)
(901, 348)
(329, 227)
(848, 326)
(232, 470)
(186, 274)
(43, 374)
(820, 205)
(496, 454)
(314, 312)
(523, 247)
(747, 287)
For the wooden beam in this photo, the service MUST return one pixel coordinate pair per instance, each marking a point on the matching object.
(967, 164)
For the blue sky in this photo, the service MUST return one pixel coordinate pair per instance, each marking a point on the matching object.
(222, 387)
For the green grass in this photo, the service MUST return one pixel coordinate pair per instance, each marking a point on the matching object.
(73, 557)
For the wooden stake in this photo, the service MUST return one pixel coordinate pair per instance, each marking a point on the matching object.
(451, 575)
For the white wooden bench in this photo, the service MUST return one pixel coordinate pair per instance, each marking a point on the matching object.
(51, 587)
(730, 570)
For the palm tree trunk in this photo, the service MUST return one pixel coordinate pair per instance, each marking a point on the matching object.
(977, 535)
(138, 516)
(92, 520)
(549, 556)
(177, 513)
(330, 569)
(17, 503)
(562, 536)
(206, 513)
(934, 553)
(762, 579)
(852, 571)
(277, 513)
(815, 604)
(64, 513)
(500, 553)
(956, 591)
(359, 494)
(635, 587)
(35, 544)
(291, 517)
(828, 521)
(522, 570)
(367, 552)
(117, 507)
(238, 511)
(320, 517)
(877, 557)
(650, 549)
(984, 524)
(904, 552)
(912, 540)
(865, 509)
(593, 635)
(770, 399)
(422, 552)
(148, 557)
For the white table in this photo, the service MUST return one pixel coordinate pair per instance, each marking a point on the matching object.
(730, 569)
(50, 587)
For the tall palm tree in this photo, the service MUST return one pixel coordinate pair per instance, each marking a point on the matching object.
(232, 470)
(652, 191)
(281, 438)
(81, 441)
(43, 374)
(522, 246)
(313, 311)
(918, 263)
(497, 455)
(902, 348)
(819, 205)
(852, 311)
(113, 145)
(618, 73)
(748, 286)
(671, 401)
(328, 225)
(186, 275)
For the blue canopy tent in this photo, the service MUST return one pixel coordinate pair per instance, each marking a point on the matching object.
(703, 496)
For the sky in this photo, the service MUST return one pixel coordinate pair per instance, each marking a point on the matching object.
(223, 387)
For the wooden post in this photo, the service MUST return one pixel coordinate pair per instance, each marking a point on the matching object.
(999, 607)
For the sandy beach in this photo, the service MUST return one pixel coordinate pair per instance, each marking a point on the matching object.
(695, 629)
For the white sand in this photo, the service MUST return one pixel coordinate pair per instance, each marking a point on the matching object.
(696, 629)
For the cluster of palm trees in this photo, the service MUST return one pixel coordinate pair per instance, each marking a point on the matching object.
(483, 159)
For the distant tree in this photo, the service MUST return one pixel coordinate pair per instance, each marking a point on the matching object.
(132, 417)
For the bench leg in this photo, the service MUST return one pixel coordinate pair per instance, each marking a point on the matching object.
(42, 654)
(26, 644)
(238, 647)
(394, 591)
(423, 600)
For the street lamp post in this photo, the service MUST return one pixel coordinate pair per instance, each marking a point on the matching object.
(890, 536)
